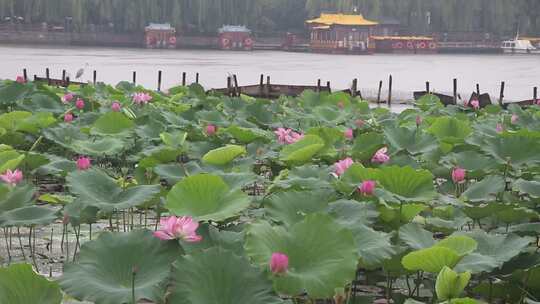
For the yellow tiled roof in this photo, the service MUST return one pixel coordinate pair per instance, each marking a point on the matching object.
(341, 19)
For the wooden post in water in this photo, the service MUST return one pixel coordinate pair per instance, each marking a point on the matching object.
(134, 77)
(25, 75)
(228, 85)
(268, 86)
(48, 76)
(261, 85)
(535, 94)
(354, 88)
(63, 75)
(197, 78)
(318, 85)
(501, 95)
(328, 86)
(94, 77)
(67, 81)
(427, 87)
(478, 89)
(159, 81)
(379, 94)
(455, 91)
(184, 79)
(389, 90)
(236, 88)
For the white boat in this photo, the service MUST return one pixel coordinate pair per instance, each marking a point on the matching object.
(519, 46)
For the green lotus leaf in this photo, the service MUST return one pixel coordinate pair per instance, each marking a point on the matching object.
(303, 177)
(532, 188)
(64, 135)
(354, 176)
(218, 276)
(514, 215)
(450, 130)
(206, 197)
(432, 259)
(10, 159)
(28, 216)
(36, 122)
(318, 272)
(246, 135)
(374, 247)
(428, 102)
(366, 144)
(450, 284)
(19, 284)
(13, 198)
(510, 148)
(397, 215)
(412, 140)
(43, 102)
(224, 155)
(302, 151)
(115, 262)
(291, 207)
(174, 172)
(407, 184)
(331, 115)
(11, 121)
(112, 123)
(95, 188)
(12, 92)
(329, 135)
(99, 147)
(351, 213)
(461, 244)
(56, 165)
(174, 140)
(214, 237)
(493, 250)
(416, 237)
(484, 190)
(469, 160)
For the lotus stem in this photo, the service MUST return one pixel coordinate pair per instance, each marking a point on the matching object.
(38, 140)
(7, 246)
(32, 251)
(77, 243)
(50, 252)
(134, 273)
(20, 243)
(90, 230)
(62, 240)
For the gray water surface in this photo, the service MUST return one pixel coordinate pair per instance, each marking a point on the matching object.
(410, 72)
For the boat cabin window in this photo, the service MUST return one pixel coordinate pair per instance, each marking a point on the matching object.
(509, 45)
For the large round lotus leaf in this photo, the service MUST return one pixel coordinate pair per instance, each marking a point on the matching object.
(469, 160)
(174, 140)
(329, 135)
(224, 155)
(407, 184)
(352, 213)
(12, 198)
(10, 159)
(28, 216)
(246, 135)
(292, 206)
(302, 151)
(318, 272)
(511, 147)
(532, 188)
(43, 102)
(112, 123)
(416, 237)
(354, 176)
(36, 122)
(104, 271)
(450, 284)
(174, 172)
(99, 147)
(12, 92)
(11, 121)
(303, 177)
(414, 141)
(450, 130)
(461, 244)
(64, 135)
(484, 190)
(432, 259)
(374, 247)
(218, 276)
(206, 197)
(95, 188)
(19, 284)
(366, 145)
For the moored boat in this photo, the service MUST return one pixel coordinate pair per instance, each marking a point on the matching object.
(519, 46)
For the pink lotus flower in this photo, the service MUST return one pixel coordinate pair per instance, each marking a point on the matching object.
(349, 134)
(67, 98)
(380, 157)
(116, 107)
(418, 120)
(475, 104)
(359, 123)
(68, 117)
(341, 166)
(83, 163)
(79, 104)
(20, 79)
(367, 187)
(279, 263)
(141, 98)
(458, 175)
(12, 178)
(211, 130)
(183, 228)
(287, 136)
(499, 128)
(514, 119)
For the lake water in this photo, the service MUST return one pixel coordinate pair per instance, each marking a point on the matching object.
(410, 72)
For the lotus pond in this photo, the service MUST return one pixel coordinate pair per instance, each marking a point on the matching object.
(120, 194)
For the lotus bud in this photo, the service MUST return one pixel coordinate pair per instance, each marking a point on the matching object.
(279, 263)
(458, 175)
(79, 104)
(367, 187)
(349, 134)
